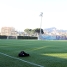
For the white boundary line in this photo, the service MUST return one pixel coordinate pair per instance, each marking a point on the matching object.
(22, 60)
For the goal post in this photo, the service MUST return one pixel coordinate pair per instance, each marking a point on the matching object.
(11, 37)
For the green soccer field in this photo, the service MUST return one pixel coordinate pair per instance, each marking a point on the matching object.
(42, 53)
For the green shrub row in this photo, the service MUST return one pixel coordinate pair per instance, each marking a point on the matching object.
(18, 37)
(26, 37)
(3, 37)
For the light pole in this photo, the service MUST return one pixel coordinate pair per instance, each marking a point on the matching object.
(41, 15)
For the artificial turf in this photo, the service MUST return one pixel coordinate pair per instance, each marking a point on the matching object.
(42, 52)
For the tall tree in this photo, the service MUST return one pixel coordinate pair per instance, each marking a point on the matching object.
(28, 31)
(37, 30)
(33, 32)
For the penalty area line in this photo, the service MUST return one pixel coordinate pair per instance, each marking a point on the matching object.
(21, 60)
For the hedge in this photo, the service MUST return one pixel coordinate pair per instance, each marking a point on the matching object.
(26, 37)
(3, 37)
(18, 37)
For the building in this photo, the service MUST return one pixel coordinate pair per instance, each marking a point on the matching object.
(8, 31)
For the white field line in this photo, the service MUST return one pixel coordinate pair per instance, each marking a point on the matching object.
(22, 60)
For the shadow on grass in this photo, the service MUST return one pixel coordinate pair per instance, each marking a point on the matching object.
(50, 56)
(55, 59)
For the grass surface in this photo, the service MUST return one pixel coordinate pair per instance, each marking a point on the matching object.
(45, 53)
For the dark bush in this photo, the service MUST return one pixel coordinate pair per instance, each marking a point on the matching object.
(3, 37)
(26, 37)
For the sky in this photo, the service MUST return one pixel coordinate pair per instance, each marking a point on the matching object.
(22, 14)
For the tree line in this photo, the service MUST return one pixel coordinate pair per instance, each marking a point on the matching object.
(33, 31)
